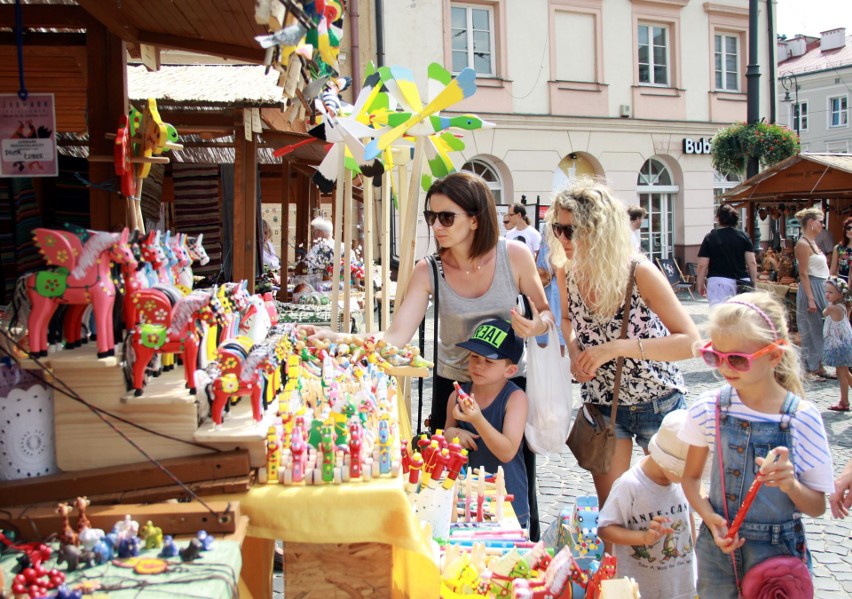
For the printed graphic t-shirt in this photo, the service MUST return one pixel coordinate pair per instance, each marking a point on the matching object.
(664, 569)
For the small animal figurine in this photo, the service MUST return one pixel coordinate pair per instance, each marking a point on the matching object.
(89, 537)
(75, 557)
(67, 536)
(104, 549)
(126, 528)
(82, 503)
(169, 547)
(205, 539)
(128, 547)
(152, 535)
(192, 551)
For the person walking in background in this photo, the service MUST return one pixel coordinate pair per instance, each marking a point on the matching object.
(655, 551)
(837, 337)
(593, 254)
(810, 299)
(637, 215)
(758, 414)
(726, 261)
(521, 229)
(841, 255)
(481, 277)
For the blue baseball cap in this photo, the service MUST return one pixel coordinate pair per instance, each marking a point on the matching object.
(495, 339)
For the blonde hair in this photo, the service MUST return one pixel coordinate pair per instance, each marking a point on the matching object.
(744, 316)
(602, 241)
(806, 215)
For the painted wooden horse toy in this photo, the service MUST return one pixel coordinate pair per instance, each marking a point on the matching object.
(169, 324)
(82, 276)
(246, 370)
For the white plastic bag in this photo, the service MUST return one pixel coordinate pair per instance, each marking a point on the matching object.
(549, 393)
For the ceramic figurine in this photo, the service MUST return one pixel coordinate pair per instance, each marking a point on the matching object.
(128, 547)
(82, 503)
(67, 535)
(169, 547)
(151, 535)
(192, 551)
(205, 539)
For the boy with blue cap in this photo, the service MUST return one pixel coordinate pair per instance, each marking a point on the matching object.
(490, 423)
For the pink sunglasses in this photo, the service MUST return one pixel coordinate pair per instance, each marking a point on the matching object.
(736, 360)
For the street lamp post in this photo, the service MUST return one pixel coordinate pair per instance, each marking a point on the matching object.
(788, 82)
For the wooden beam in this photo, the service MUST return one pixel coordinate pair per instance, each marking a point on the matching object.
(211, 47)
(36, 16)
(150, 57)
(245, 204)
(44, 39)
(286, 183)
(106, 102)
(112, 17)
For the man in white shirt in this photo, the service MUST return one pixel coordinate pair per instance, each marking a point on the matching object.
(637, 215)
(519, 228)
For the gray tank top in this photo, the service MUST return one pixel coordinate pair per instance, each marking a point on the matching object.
(459, 316)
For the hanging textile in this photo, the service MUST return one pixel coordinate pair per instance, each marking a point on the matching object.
(197, 209)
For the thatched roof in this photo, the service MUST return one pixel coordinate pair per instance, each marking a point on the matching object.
(231, 85)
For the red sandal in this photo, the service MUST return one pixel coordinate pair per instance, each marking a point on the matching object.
(839, 408)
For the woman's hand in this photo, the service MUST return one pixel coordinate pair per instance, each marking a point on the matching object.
(592, 358)
(812, 307)
(314, 332)
(841, 500)
(719, 528)
(528, 327)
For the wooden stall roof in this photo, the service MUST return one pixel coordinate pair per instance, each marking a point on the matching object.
(802, 177)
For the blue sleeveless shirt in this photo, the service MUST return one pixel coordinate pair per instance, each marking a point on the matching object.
(514, 470)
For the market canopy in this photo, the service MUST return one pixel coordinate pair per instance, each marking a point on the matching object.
(803, 177)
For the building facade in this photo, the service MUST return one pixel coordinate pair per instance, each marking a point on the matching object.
(814, 78)
(628, 90)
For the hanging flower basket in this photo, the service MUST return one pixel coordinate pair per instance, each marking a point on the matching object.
(733, 146)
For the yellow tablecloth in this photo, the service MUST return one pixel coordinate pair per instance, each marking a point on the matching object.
(372, 512)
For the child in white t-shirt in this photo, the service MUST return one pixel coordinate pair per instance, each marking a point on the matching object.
(647, 518)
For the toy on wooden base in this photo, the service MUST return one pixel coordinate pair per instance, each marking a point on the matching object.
(82, 276)
(170, 324)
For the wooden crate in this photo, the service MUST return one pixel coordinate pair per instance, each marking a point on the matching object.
(322, 570)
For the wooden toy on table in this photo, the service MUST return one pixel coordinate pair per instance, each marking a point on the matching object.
(82, 276)
(170, 324)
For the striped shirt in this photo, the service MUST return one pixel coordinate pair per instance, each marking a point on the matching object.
(810, 454)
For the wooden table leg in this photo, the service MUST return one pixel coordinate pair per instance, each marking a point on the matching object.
(256, 574)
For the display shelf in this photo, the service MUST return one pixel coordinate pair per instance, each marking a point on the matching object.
(238, 429)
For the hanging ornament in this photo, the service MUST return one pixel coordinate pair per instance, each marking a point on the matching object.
(762, 213)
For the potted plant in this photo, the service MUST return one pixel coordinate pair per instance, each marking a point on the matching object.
(733, 146)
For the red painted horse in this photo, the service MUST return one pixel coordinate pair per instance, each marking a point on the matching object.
(82, 277)
(169, 324)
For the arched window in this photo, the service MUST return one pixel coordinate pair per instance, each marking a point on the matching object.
(656, 196)
(489, 174)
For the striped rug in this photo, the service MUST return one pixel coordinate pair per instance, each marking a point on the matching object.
(197, 209)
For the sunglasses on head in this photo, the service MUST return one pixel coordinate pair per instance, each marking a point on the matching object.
(737, 361)
(446, 218)
(560, 229)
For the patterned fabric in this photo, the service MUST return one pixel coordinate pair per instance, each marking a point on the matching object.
(320, 258)
(844, 257)
(837, 342)
(152, 190)
(197, 209)
(641, 380)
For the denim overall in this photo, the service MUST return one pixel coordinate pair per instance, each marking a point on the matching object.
(773, 525)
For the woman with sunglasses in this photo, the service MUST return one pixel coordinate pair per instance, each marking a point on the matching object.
(481, 277)
(757, 410)
(841, 255)
(592, 250)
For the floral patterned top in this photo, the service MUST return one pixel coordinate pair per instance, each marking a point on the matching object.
(844, 257)
(641, 380)
(320, 258)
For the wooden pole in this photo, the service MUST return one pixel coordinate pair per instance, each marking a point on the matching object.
(368, 254)
(386, 245)
(286, 182)
(347, 253)
(408, 227)
(338, 235)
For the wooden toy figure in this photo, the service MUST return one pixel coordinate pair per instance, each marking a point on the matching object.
(82, 519)
(273, 454)
(82, 276)
(355, 432)
(384, 457)
(328, 451)
(299, 450)
(151, 535)
(67, 535)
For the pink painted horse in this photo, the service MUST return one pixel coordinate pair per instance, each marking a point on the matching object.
(82, 277)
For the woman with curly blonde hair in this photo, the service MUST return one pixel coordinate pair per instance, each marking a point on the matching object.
(593, 253)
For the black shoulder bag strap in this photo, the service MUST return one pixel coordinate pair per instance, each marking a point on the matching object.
(434, 262)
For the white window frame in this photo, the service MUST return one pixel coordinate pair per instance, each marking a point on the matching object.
(842, 113)
(651, 65)
(489, 173)
(840, 146)
(468, 8)
(722, 69)
(803, 116)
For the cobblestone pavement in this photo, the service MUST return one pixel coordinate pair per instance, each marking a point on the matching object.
(560, 480)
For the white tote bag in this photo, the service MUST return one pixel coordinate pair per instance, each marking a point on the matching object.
(549, 393)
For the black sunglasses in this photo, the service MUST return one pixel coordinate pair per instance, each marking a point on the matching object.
(849, 227)
(446, 218)
(560, 229)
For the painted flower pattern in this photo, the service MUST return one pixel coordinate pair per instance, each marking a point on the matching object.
(61, 256)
